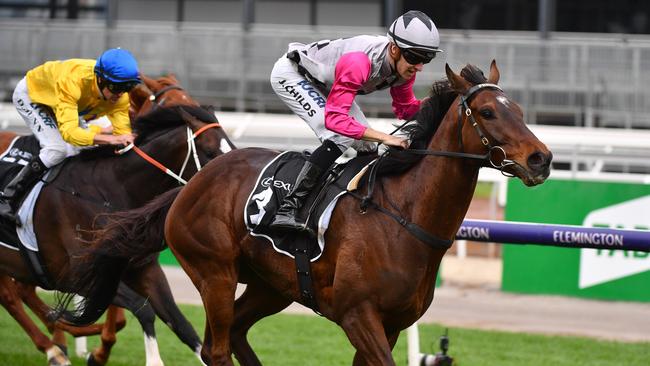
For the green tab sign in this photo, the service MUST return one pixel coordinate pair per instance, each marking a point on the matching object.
(593, 273)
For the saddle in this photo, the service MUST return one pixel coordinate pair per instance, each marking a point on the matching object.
(276, 180)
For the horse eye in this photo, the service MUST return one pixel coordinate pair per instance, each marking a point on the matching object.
(486, 113)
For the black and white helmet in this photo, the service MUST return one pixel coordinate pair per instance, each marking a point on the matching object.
(415, 30)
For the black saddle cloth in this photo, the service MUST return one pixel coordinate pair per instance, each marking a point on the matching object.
(12, 160)
(276, 180)
(17, 155)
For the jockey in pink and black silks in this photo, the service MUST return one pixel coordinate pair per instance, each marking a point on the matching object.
(56, 99)
(319, 82)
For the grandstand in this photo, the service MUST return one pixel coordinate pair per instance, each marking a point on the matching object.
(571, 79)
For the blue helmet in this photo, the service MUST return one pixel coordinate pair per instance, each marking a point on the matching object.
(118, 66)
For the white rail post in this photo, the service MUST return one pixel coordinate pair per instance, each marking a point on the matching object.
(413, 343)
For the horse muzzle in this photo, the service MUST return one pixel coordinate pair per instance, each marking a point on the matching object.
(538, 168)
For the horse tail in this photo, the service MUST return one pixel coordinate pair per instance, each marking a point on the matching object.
(129, 239)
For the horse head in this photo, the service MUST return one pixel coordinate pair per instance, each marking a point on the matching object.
(209, 137)
(490, 122)
(181, 137)
(153, 93)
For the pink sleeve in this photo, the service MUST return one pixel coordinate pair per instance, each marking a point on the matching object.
(405, 104)
(352, 70)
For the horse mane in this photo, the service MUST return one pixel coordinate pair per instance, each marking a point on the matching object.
(427, 121)
(163, 118)
(148, 125)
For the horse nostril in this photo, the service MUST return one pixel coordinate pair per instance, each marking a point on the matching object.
(538, 160)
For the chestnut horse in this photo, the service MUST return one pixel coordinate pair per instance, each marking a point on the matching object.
(176, 126)
(376, 274)
(155, 93)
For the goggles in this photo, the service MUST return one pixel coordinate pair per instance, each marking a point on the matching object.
(117, 88)
(414, 57)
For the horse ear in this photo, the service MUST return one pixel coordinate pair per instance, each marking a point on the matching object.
(150, 83)
(172, 77)
(494, 73)
(460, 85)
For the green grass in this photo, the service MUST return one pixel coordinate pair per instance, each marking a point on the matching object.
(286, 340)
(483, 190)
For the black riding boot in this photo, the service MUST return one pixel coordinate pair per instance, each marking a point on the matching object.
(17, 187)
(285, 217)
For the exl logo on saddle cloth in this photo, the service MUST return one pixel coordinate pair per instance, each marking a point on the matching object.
(276, 181)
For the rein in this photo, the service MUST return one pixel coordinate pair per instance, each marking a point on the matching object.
(415, 230)
(488, 156)
(191, 150)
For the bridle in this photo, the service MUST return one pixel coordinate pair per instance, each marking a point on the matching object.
(191, 151)
(489, 156)
(463, 108)
(154, 96)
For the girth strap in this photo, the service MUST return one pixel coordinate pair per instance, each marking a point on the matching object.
(35, 264)
(303, 269)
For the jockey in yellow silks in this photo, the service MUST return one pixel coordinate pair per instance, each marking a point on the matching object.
(57, 98)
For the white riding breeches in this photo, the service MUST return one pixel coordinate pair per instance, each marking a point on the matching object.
(44, 126)
(308, 102)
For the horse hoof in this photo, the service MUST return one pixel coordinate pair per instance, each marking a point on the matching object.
(91, 361)
(64, 349)
(56, 357)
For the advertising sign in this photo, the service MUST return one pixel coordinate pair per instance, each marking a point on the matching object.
(592, 273)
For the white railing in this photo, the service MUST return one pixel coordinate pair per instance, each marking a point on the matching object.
(588, 152)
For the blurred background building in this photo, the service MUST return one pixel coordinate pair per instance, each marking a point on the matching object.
(576, 62)
(603, 16)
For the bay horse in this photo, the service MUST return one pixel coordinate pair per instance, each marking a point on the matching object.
(376, 274)
(169, 135)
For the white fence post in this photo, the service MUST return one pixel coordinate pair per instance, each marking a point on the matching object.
(413, 342)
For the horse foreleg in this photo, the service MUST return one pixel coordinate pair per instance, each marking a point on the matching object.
(100, 355)
(365, 330)
(143, 311)
(218, 296)
(150, 281)
(216, 280)
(204, 355)
(257, 301)
(11, 301)
(28, 295)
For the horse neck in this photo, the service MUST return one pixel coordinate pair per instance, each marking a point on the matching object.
(440, 189)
